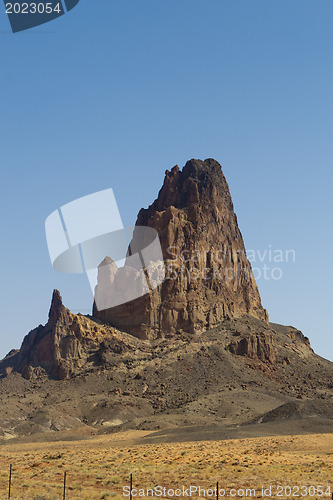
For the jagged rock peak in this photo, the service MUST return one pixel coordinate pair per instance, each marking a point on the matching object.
(197, 180)
(208, 275)
(57, 309)
(107, 261)
(56, 304)
(57, 349)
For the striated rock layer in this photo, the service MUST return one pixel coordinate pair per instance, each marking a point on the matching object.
(208, 276)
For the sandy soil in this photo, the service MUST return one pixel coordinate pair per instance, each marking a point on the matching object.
(99, 467)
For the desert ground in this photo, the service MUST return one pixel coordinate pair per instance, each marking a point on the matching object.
(99, 467)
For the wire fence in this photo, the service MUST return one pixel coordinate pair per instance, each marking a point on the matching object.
(65, 495)
(66, 489)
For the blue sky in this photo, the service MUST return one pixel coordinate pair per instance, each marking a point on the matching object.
(115, 92)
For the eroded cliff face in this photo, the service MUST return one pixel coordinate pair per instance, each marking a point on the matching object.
(58, 349)
(208, 276)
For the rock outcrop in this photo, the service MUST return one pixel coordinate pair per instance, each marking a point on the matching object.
(258, 345)
(211, 359)
(58, 349)
(233, 374)
(208, 276)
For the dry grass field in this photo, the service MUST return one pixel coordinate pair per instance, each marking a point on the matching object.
(99, 467)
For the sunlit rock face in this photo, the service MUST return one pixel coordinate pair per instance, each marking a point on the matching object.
(208, 277)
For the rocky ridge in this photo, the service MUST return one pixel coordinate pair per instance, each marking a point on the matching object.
(58, 349)
(97, 379)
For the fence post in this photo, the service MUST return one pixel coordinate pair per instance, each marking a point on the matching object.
(64, 496)
(10, 480)
(131, 485)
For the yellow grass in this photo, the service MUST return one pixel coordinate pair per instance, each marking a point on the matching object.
(100, 467)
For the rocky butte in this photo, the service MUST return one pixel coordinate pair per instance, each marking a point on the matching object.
(208, 276)
(196, 353)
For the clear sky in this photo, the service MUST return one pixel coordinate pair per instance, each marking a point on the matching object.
(115, 92)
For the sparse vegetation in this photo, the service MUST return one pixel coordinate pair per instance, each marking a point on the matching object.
(243, 463)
